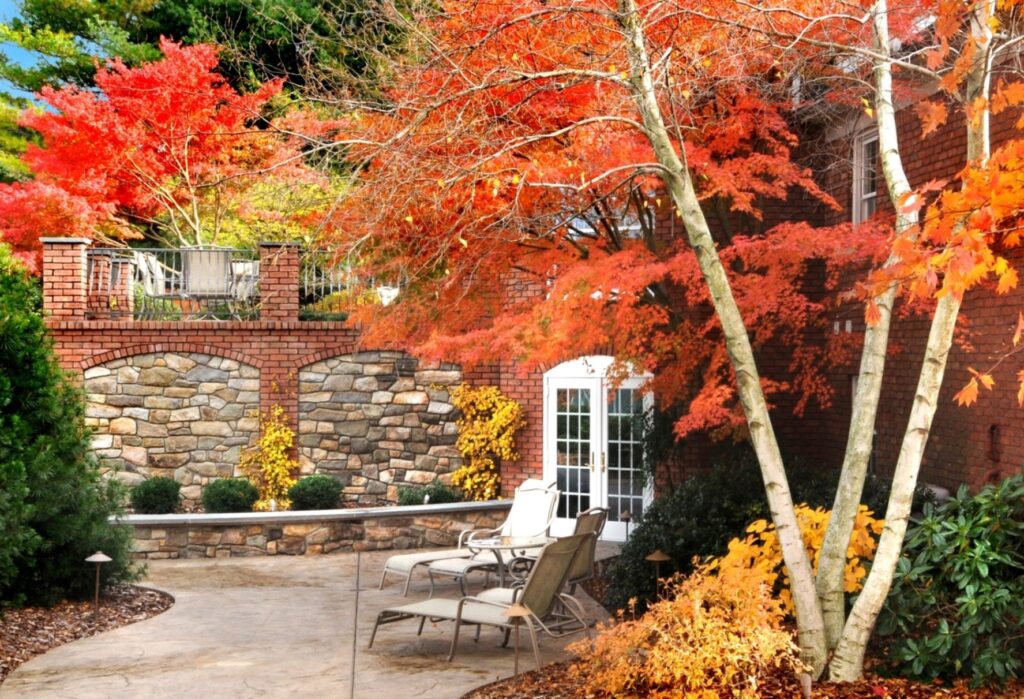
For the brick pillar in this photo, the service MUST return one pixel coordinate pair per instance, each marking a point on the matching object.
(64, 263)
(279, 301)
(279, 281)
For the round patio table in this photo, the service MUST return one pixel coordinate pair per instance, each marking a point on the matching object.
(514, 545)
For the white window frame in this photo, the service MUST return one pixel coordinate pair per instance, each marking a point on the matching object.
(864, 203)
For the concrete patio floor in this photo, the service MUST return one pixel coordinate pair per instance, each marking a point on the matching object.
(276, 627)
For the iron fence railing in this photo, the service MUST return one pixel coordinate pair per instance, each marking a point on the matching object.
(200, 283)
(330, 286)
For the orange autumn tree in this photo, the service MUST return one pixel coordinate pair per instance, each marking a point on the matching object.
(614, 158)
(166, 149)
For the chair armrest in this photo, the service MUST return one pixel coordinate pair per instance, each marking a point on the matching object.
(470, 534)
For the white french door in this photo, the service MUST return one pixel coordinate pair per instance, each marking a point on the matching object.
(593, 447)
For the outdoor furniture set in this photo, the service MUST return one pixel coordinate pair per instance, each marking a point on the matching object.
(533, 570)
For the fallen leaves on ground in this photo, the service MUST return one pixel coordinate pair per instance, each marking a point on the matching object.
(555, 682)
(31, 631)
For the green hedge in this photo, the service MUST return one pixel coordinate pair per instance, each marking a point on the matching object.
(230, 495)
(156, 496)
(318, 492)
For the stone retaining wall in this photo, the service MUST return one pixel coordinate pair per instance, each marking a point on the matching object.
(301, 533)
(186, 416)
(377, 420)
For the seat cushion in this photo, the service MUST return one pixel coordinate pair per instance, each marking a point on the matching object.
(405, 562)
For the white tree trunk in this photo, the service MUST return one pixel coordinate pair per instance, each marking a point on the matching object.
(848, 662)
(832, 561)
(677, 178)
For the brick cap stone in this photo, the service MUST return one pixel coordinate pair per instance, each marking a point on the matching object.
(65, 241)
(276, 244)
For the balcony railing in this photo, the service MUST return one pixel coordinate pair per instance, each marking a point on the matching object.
(201, 283)
(330, 286)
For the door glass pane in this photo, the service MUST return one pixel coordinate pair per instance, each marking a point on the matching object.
(572, 406)
(625, 454)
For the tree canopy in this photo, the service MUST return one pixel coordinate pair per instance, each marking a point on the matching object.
(168, 150)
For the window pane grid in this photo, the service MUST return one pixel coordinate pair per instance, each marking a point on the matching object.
(625, 454)
(572, 444)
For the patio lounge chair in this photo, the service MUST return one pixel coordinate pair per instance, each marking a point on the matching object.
(521, 521)
(530, 518)
(551, 611)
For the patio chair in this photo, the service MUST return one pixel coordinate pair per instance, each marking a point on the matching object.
(552, 612)
(590, 521)
(521, 521)
(530, 518)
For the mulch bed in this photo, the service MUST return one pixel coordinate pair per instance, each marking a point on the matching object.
(555, 682)
(31, 631)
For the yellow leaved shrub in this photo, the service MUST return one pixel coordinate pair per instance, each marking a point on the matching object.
(487, 428)
(757, 557)
(269, 464)
(706, 639)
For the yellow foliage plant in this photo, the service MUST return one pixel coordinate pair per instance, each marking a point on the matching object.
(705, 639)
(269, 465)
(487, 430)
(758, 556)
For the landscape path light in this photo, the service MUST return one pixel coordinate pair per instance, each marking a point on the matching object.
(657, 558)
(517, 613)
(99, 558)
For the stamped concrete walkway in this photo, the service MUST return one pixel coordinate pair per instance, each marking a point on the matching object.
(274, 627)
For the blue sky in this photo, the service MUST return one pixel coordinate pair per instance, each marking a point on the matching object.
(8, 10)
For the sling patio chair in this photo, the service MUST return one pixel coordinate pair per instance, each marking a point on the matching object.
(589, 521)
(551, 611)
(529, 505)
(526, 529)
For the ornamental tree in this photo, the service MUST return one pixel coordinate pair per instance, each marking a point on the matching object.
(168, 150)
(617, 158)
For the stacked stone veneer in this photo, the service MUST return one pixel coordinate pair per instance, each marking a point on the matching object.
(187, 416)
(377, 420)
(385, 529)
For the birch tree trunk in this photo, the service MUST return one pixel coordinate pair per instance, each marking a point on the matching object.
(832, 560)
(810, 626)
(848, 662)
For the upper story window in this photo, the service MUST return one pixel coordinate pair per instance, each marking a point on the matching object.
(865, 176)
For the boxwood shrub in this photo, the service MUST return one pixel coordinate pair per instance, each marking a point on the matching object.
(230, 495)
(156, 496)
(435, 493)
(318, 492)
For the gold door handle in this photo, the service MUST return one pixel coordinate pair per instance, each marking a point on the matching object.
(603, 465)
(591, 464)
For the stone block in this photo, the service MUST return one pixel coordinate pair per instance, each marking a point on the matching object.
(419, 477)
(96, 372)
(101, 441)
(179, 363)
(180, 392)
(102, 384)
(382, 397)
(437, 408)
(184, 443)
(411, 398)
(157, 376)
(365, 383)
(211, 427)
(122, 401)
(122, 425)
(169, 460)
(338, 382)
(99, 410)
(247, 424)
(184, 414)
(447, 378)
(244, 384)
(137, 413)
(201, 374)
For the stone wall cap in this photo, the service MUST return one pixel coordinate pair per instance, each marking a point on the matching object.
(65, 241)
(293, 517)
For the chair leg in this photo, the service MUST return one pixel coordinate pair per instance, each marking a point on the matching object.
(504, 642)
(374, 633)
(382, 577)
(408, 579)
(430, 574)
(455, 640)
(423, 620)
